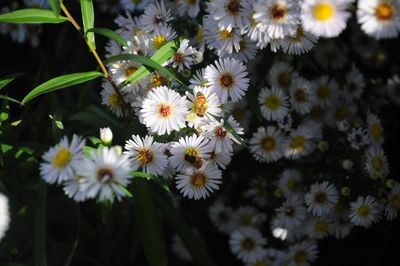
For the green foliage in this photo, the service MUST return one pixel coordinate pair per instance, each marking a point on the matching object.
(55, 6)
(88, 21)
(148, 224)
(7, 79)
(32, 16)
(60, 83)
(109, 34)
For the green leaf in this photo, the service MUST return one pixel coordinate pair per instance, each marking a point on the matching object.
(126, 191)
(148, 224)
(55, 6)
(88, 21)
(7, 79)
(154, 62)
(60, 83)
(32, 15)
(9, 99)
(40, 225)
(159, 180)
(109, 34)
(193, 243)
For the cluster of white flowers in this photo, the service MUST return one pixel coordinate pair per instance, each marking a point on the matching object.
(192, 131)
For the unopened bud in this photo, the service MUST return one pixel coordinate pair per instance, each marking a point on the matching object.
(347, 164)
(345, 191)
(323, 145)
(106, 135)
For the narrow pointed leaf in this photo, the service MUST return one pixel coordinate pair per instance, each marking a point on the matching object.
(32, 16)
(148, 224)
(109, 34)
(7, 79)
(55, 6)
(4, 97)
(88, 21)
(60, 83)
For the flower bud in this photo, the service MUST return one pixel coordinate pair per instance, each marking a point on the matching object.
(345, 191)
(323, 145)
(347, 164)
(106, 135)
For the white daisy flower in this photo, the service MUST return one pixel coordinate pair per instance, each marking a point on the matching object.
(290, 182)
(246, 52)
(183, 57)
(221, 159)
(318, 228)
(326, 91)
(258, 191)
(393, 203)
(355, 84)
(205, 106)
(111, 99)
(246, 216)
(222, 217)
(273, 103)
(301, 143)
(278, 18)
(302, 254)
(4, 215)
(364, 211)
(73, 188)
(302, 96)
(358, 138)
(229, 13)
(164, 110)
(227, 79)
(281, 75)
(146, 154)
(189, 152)
(198, 80)
(221, 139)
(341, 225)
(189, 7)
(291, 214)
(199, 183)
(325, 18)
(222, 40)
(375, 129)
(376, 163)
(58, 165)
(121, 71)
(104, 173)
(329, 54)
(321, 199)
(299, 43)
(267, 144)
(248, 244)
(161, 36)
(379, 18)
(155, 16)
(112, 48)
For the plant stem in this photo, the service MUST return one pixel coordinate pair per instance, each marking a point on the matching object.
(125, 106)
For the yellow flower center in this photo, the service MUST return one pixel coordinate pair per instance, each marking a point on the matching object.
(363, 211)
(341, 113)
(321, 226)
(377, 163)
(114, 100)
(268, 144)
(191, 2)
(226, 80)
(130, 70)
(320, 197)
(395, 201)
(156, 80)
(198, 180)
(232, 7)
(159, 41)
(245, 220)
(105, 175)
(144, 156)
(300, 257)
(300, 95)
(164, 110)
(225, 34)
(291, 184)
(284, 79)
(273, 102)
(384, 11)
(200, 34)
(376, 131)
(324, 92)
(136, 1)
(62, 158)
(323, 11)
(248, 244)
(278, 11)
(297, 143)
